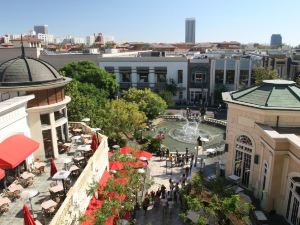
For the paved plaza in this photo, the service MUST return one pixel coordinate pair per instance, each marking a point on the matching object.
(159, 174)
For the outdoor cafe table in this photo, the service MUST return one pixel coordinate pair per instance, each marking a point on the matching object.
(57, 188)
(4, 201)
(62, 175)
(86, 135)
(85, 148)
(48, 204)
(73, 168)
(39, 166)
(27, 175)
(211, 150)
(15, 187)
(77, 130)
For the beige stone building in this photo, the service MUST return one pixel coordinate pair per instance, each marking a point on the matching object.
(263, 137)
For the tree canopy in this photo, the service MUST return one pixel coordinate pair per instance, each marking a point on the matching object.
(148, 102)
(89, 72)
(86, 101)
(119, 116)
(261, 74)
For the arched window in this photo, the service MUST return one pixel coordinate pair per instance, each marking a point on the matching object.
(243, 157)
(293, 211)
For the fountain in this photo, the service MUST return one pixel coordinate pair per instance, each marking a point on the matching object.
(188, 133)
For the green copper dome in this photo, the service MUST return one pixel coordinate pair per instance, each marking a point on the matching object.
(271, 94)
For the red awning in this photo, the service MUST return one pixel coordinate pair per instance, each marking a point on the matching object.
(143, 154)
(16, 149)
(116, 165)
(2, 174)
(127, 150)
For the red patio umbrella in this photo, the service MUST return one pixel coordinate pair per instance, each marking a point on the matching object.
(116, 166)
(127, 150)
(53, 169)
(135, 165)
(28, 219)
(2, 174)
(142, 153)
(94, 144)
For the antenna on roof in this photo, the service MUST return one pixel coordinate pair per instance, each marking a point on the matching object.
(22, 47)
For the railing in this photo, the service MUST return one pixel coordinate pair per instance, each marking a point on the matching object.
(215, 121)
(77, 200)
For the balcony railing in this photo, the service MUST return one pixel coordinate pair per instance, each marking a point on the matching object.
(198, 85)
(125, 85)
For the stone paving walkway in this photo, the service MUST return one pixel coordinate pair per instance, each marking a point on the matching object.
(157, 216)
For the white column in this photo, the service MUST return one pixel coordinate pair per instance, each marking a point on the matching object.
(152, 79)
(250, 72)
(134, 76)
(284, 182)
(237, 74)
(225, 68)
(53, 135)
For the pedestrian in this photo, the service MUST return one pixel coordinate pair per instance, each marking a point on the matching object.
(167, 153)
(175, 196)
(192, 158)
(152, 194)
(186, 159)
(183, 179)
(164, 203)
(163, 190)
(158, 193)
(186, 151)
(146, 204)
(187, 170)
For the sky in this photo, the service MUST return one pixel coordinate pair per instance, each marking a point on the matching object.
(246, 21)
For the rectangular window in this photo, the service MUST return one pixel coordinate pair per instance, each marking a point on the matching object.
(180, 77)
(198, 77)
(59, 114)
(143, 74)
(219, 76)
(110, 69)
(125, 74)
(45, 119)
(161, 78)
(144, 77)
(180, 95)
(230, 76)
(244, 75)
(126, 77)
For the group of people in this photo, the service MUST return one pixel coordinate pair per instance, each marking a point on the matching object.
(165, 198)
(177, 158)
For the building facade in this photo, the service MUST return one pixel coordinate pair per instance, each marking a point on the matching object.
(208, 75)
(149, 72)
(190, 30)
(41, 29)
(263, 137)
(276, 40)
(47, 111)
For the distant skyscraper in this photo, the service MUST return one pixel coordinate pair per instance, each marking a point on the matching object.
(42, 29)
(190, 30)
(276, 40)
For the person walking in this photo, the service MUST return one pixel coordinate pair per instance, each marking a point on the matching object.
(146, 204)
(167, 153)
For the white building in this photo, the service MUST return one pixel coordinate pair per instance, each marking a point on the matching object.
(15, 132)
(108, 38)
(47, 112)
(90, 40)
(78, 40)
(45, 38)
(149, 72)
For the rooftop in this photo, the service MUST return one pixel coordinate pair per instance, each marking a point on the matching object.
(271, 94)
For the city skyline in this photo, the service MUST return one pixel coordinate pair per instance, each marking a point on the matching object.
(245, 22)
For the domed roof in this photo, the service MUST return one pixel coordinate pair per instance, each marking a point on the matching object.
(27, 71)
(271, 94)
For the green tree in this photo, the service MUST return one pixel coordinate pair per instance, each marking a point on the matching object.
(172, 86)
(89, 72)
(261, 74)
(218, 93)
(86, 101)
(167, 96)
(148, 102)
(119, 116)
